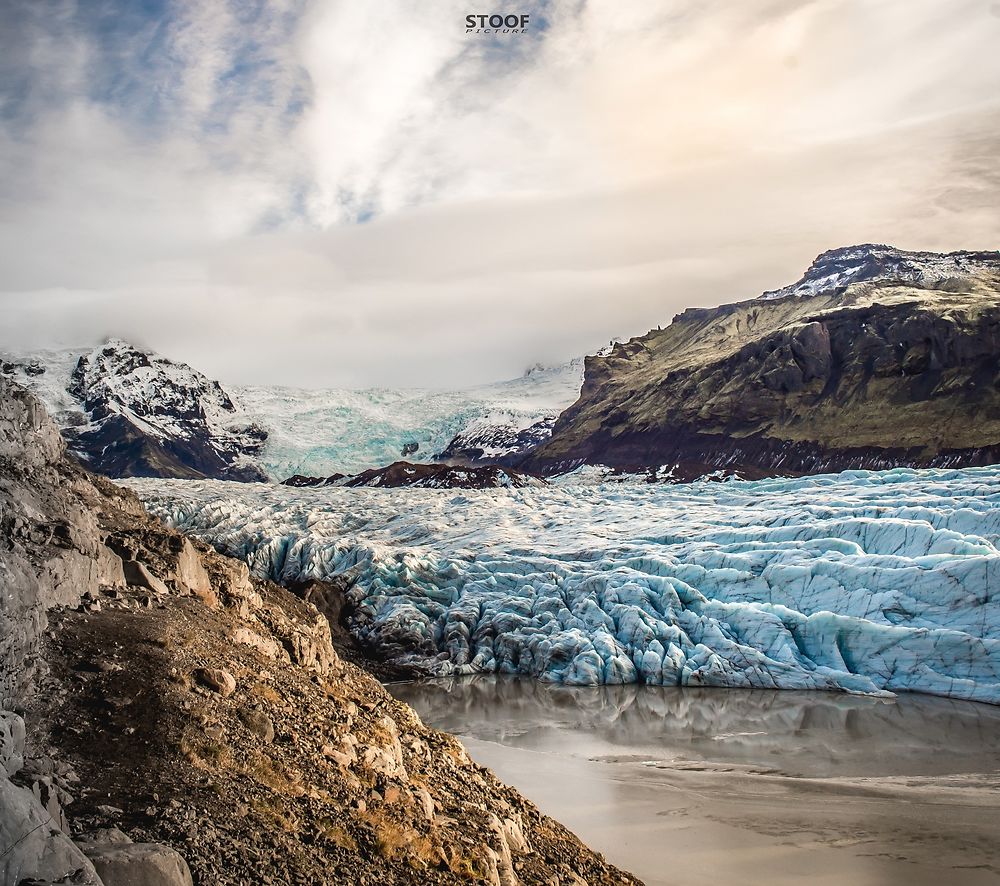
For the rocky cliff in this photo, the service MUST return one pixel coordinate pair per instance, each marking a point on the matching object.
(876, 358)
(170, 720)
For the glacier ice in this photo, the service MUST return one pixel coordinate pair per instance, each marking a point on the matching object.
(347, 431)
(868, 582)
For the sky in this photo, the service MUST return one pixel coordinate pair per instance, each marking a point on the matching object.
(326, 193)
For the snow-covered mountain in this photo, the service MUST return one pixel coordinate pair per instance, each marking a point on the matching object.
(497, 438)
(878, 263)
(130, 412)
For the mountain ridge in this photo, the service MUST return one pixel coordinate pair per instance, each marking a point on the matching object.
(870, 262)
(876, 357)
(874, 373)
(188, 426)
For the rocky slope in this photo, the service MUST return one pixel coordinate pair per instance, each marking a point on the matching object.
(131, 413)
(876, 358)
(245, 749)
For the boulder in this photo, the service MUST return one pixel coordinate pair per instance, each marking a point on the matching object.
(191, 574)
(217, 679)
(260, 724)
(138, 864)
(137, 575)
(104, 835)
(34, 847)
(54, 799)
(11, 742)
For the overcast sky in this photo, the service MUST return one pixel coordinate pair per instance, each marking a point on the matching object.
(359, 193)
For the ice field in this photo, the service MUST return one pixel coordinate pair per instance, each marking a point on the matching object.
(865, 582)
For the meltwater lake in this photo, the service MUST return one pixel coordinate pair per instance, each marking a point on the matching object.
(682, 785)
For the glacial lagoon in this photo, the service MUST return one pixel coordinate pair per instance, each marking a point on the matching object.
(683, 785)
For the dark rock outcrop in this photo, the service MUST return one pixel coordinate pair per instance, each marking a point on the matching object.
(302, 481)
(877, 358)
(425, 476)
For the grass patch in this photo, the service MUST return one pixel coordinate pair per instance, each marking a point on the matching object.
(204, 753)
(335, 833)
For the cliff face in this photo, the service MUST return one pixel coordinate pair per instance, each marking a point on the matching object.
(172, 720)
(51, 553)
(876, 358)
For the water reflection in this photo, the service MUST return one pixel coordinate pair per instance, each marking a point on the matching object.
(800, 733)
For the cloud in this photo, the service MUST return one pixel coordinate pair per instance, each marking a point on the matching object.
(344, 193)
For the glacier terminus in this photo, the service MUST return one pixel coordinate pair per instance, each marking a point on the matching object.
(865, 582)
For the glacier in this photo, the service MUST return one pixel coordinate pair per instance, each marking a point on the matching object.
(865, 582)
(348, 431)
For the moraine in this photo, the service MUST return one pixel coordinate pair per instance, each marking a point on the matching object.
(869, 582)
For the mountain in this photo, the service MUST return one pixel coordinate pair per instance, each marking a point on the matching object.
(877, 263)
(876, 358)
(126, 412)
(488, 440)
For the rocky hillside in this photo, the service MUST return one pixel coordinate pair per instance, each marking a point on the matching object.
(126, 412)
(876, 358)
(170, 720)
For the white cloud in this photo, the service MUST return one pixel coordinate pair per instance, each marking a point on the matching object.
(591, 180)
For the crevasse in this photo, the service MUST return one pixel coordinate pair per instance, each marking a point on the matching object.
(863, 581)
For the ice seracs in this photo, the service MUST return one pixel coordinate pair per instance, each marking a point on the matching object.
(348, 431)
(865, 582)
